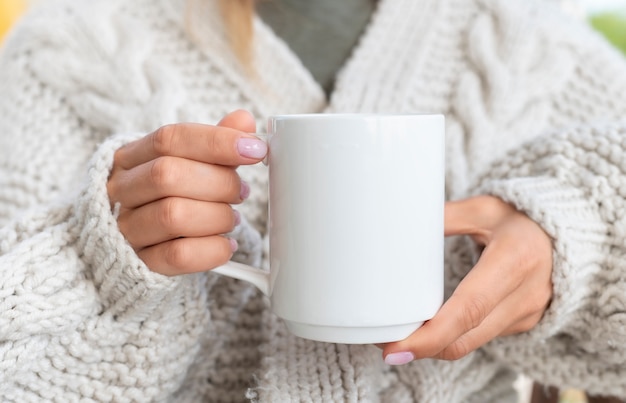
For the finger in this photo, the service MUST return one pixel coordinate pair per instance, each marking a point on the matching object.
(239, 120)
(528, 266)
(176, 177)
(459, 217)
(175, 217)
(188, 255)
(205, 143)
(511, 316)
(477, 295)
(475, 216)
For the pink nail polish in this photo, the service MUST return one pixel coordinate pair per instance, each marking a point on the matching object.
(251, 147)
(399, 358)
(237, 217)
(233, 244)
(245, 190)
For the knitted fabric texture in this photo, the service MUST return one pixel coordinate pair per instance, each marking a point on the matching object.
(533, 103)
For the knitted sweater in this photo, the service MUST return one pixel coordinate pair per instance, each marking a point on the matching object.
(533, 104)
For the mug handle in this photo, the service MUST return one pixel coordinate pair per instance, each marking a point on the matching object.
(240, 271)
(257, 277)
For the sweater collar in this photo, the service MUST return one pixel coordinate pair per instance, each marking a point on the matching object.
(379, 76)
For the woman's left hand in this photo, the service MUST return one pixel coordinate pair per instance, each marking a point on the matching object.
(505, 293)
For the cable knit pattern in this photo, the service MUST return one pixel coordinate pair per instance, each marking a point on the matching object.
(578, 193)
(509, 85)
(533, 103)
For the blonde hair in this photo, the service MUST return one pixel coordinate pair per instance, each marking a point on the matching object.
(238, 18)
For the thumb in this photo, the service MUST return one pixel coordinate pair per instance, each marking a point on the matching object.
(477, 216)
(239, 120)
(459, 217)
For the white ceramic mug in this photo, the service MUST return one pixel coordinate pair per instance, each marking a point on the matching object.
(355, 225)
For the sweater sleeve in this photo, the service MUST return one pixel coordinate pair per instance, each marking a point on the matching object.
(573, 183)
(78, 309)
(81, 316)
(80, 313)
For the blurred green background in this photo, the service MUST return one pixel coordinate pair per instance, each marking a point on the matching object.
(613, 25)
(606, 16)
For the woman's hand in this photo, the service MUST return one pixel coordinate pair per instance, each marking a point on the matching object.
(175, 188)
(506, 292)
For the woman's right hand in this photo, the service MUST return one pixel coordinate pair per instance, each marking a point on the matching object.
(175, 188)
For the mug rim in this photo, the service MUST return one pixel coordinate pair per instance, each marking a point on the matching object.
(348, 115)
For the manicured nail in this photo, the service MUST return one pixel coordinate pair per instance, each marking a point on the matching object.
(237, 217)
(244, 192)
(233, 244)
(251, 147)
(399, 358)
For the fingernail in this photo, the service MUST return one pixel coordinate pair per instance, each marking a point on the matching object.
(237, 217)
(399, 358)
(233, 244)
(244, 192)
(251, 147)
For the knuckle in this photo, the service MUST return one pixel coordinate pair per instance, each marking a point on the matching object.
(177, 254)
(455, 351)
(474, 311)
(164, 173)
(171, 215)
(164, 139)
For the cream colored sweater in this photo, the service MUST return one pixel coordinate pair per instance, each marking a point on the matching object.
(533, 104)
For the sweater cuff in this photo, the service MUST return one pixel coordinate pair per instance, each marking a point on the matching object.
(123, 280)
(576, 229)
